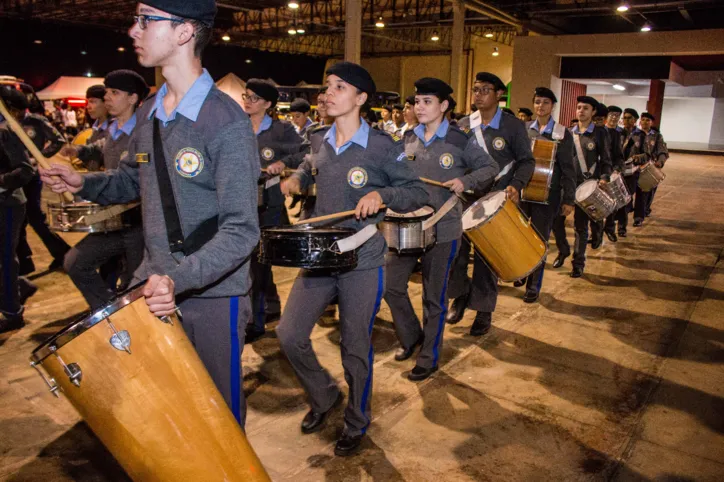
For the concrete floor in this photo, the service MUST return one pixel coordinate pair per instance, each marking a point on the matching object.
(616, 376)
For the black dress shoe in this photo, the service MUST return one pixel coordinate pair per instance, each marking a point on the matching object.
(252, 334)
(577, 272)
(648, 213)
(403, 353)
(560, 259)
(596, 243)
(457, 309)
(12, 322)
(530, 296)
(520, 282)
(622, 233)
(638, 223)
(611, 236)
(420, 373)
(347, 445)
(314, 421)
(26, 289)
(482, 323)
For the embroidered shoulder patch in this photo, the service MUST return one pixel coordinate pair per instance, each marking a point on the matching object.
(401, 157)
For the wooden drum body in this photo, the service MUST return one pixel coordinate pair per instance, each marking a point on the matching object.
(650, 177)
(503, 235)
(405, 233)
(308, 248)
(139, 384)
(68, 218)
(539, 187)
(594, 201)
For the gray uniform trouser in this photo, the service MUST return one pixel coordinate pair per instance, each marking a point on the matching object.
(581, 222)
(542, 216)
(215, 327)
(360, 294)
(483, 289)
(265, 297)
(436, 264)
(11, 223)
(85, 258)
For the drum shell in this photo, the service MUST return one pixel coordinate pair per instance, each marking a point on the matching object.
(83, 137)
(650, 177)
(305, 248)
(156, 409)
(64, 217)
(598, 205)
(539, 186)
(406, 236)
(617, 190)
(508, 242)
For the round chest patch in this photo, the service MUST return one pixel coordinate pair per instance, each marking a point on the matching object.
(652, 142)
(498, 143)
(30, 132)
(637, 143)
(357, 177)
(267, 153)
(446, 161)
(591, 146)
(189, 162)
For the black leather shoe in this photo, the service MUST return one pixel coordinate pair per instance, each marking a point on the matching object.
(530, 296)
(560, 259)
(420, 373)
(314, 421)
(482, 323)
(520, 282)
(621, 233)
(403, 353)
(12, 322)
(457, 309)
(611, 236)
(252, 334)
(347, 445)
(596, 243)
(638, 223)
(577, 272)
(26, 289)
(648, 213)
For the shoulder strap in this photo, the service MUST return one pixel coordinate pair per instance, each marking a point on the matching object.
(581, 159)
(559, 131)
(168, 201)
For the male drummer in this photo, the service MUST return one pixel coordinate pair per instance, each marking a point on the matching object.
(125, 90)
(355, 168)
(525, 114)
(197, 249)
(299, 109)
(561, 200)
(505, 138)
(92, 159)
(657, 152)
(591, 150)
(614, 114)
(444, 153)
(633, 142)
(410, 118)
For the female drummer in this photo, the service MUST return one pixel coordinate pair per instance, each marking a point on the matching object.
(358, 168)
(277, 142)
(435, 150)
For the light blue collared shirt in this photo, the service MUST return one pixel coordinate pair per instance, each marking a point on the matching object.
(495, 122)
(360, 137)
(591, 126)
(548, 128)
(101, 127)
(115, 132)
(266, 123)
(191, 103)
(440, 133)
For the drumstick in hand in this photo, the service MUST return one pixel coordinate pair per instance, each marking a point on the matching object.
(329, 217)
(439, 184)
(25, 139)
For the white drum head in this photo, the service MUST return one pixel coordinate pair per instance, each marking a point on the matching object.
(422, 212)
(585, 190)
(615, 176)
(483, 209)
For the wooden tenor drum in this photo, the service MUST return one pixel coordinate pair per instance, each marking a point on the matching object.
(503, 235)
(539, 187)
(139, 384)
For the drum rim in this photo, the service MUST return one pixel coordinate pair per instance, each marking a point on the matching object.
(307, 231)
(402, 218)
(77, 328)
(491, 216)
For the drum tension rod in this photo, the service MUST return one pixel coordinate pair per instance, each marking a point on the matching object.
(75, 374)
(48, 381)
(168, 319)
(121, 340)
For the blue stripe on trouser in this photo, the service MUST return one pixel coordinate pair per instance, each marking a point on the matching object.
(7, 260)
(443, 303)
(235, 362)
(371, 355)
(540, 278)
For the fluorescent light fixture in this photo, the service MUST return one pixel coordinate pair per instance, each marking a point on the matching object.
(619, 87)
(293, 5)
(248, 61)
(83, 52)
(380, 23)
(489, 35)
(89, 74)
(622, 8)
(646, 28)
(292, 30)
(37, 42)
(121, 49)
(435, 37)
(300, 30)
(495, 52)
(226, 37)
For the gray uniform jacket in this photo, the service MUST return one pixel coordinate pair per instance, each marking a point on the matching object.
(655, 147)
(280, 142)
(223, 183)
(564, 169)
(617, 161)
(15, 169)
(596, 151)
(457, 155)
(343, 179)
(632, 147)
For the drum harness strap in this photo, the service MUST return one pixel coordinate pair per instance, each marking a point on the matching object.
(356, 240)
(444, 209)
(481, 140)
(587, 173)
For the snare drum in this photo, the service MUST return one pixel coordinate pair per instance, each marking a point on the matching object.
(616, 188)
(404, 233)
(307, 248)
(504, 236)
(68, 218)
(139, 384)
(594, 201)
(650, 177)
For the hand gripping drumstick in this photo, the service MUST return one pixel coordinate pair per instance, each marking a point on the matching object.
(20, 132)
(439, 184)
(329, 217)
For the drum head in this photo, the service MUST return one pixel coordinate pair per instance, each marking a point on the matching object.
(423, 212)
(483, 209)
(586, 189)
(307, 229)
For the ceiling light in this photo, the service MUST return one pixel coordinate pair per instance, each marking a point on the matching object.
(646, 28)
(248, 61)
(300, 30)
(89, 74)
(619, 87)
(489, 35)
(622, 8)
(121, 49)
(38, 42)
(435, 37)
(226, 37)
(495, 52)
(293, 5)
(380, 23)
(83, 52)
(292, 30)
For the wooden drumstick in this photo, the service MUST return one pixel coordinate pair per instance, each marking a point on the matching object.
(329, 217)
(285, 172)
(439, 184)
(30, 146)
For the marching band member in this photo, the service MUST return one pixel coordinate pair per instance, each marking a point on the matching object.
(632, 144)
(354, 167)
(92, 159)
(506, 140)
(386, 123)
(299, 109)
(525, 114)
(657, 152)
(444, 153)
(617, 162)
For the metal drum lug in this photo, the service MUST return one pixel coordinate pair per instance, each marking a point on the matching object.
(52, 385)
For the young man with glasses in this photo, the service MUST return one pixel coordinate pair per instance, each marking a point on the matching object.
(198, 247)
(504, 137)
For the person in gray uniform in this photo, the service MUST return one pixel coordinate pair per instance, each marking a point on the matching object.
(525, 114)
(125, 90)
(617, 162)
(299, 110)
(562, 196)
(444, 153)
(194, 164)
(632, 145)
(15, 172)
(356, 168)
(92, 158)
(592, 152)
(278, 144)
(505, 138)
(657, 152)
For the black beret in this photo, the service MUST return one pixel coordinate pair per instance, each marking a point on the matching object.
(601, 110)
(299, 105)
(387, 108)
(355, 75)
(525, 111)
(545, 92)
(646, 115)
(398, 107)
(433, 86)
(507, 110)
(202, 10)
(491, 79)
(127, 81)
(585, 99)
(13, 98)
(96, 92)
(633, 112)
(410, 100)
(615, 109)
(264, 89)
(452, 103)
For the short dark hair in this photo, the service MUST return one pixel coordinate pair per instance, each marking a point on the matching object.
(203, 33)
